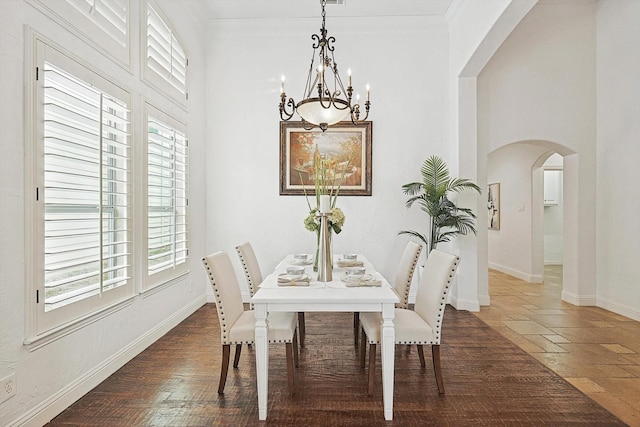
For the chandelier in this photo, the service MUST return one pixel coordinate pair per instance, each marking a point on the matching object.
(326, 101)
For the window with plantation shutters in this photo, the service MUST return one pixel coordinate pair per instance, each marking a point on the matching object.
(166, 58)
(105, 23)
(83, 195)
(167, 198)
(111, 16)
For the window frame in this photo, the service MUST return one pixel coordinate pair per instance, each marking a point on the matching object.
(44, 326)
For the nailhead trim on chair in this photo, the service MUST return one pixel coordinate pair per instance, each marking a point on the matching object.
(439, 321)
(224, 331)
(246, 271)
(405, 299)
(216, 293)
(443, 302)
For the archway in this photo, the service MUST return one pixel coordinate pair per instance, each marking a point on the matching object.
(517, 248)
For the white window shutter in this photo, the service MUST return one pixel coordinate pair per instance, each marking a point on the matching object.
(165, 55)
(86, 186)
(167, 171)
(110, 15)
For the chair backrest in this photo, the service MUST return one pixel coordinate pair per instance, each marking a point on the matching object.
(404, 276)
(434, 287)
(250, 266)
(225, 289)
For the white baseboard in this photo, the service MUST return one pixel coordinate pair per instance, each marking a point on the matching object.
(462, 304)
(623, 310)
(527, 277)
(55, 404)
(579, 300)
(484, 300)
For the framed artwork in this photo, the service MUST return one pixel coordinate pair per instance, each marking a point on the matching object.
(493, 204)
(344, 147)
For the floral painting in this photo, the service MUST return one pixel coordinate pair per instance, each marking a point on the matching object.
(345, 149)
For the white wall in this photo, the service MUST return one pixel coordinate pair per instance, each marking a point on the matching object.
(52, 377)
(618, 88)
(539, 86)
(405, 61)
(546, 83)
(476, 29)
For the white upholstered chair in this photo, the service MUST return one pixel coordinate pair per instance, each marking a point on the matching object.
(421, 326)
(237, 325)
(402, 282)
(253, 274)
(250, 266)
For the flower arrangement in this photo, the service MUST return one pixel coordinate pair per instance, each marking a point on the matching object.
(327, 182)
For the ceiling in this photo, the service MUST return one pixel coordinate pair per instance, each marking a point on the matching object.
(253, 9)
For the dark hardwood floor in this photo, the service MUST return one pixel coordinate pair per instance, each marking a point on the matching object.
(488, 380)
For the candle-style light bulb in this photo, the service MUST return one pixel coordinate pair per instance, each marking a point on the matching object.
(349, 74)
(368, 93)
(282, 85)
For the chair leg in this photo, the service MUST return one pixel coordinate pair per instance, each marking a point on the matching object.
(372, 367)
(421, 354)
(226, 352)
(363, 348)
(356, 327)
(295, 348)
(290, 373)
(435, 353)
(301, 328)
(236, 357)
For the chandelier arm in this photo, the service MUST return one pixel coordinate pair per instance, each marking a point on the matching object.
(337, 105)
(306, 125)
(355, 113)
(322, 104)
(284, 114)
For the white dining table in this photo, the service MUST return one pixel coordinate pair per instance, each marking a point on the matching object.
(333, 296)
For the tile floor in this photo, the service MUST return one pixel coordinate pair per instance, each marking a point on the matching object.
(594, 349)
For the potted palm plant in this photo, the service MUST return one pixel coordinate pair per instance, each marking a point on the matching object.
(447, 220)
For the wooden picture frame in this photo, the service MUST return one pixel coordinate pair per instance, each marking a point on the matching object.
(342, 144)
(493, 206)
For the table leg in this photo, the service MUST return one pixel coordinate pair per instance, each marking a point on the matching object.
(262, 359)
(387, 351)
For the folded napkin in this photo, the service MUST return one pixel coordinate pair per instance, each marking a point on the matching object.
(351, 282)
(301, 262)
(350, 263)
(285, 280)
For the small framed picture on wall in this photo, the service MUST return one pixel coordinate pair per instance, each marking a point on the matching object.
(493, 205)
